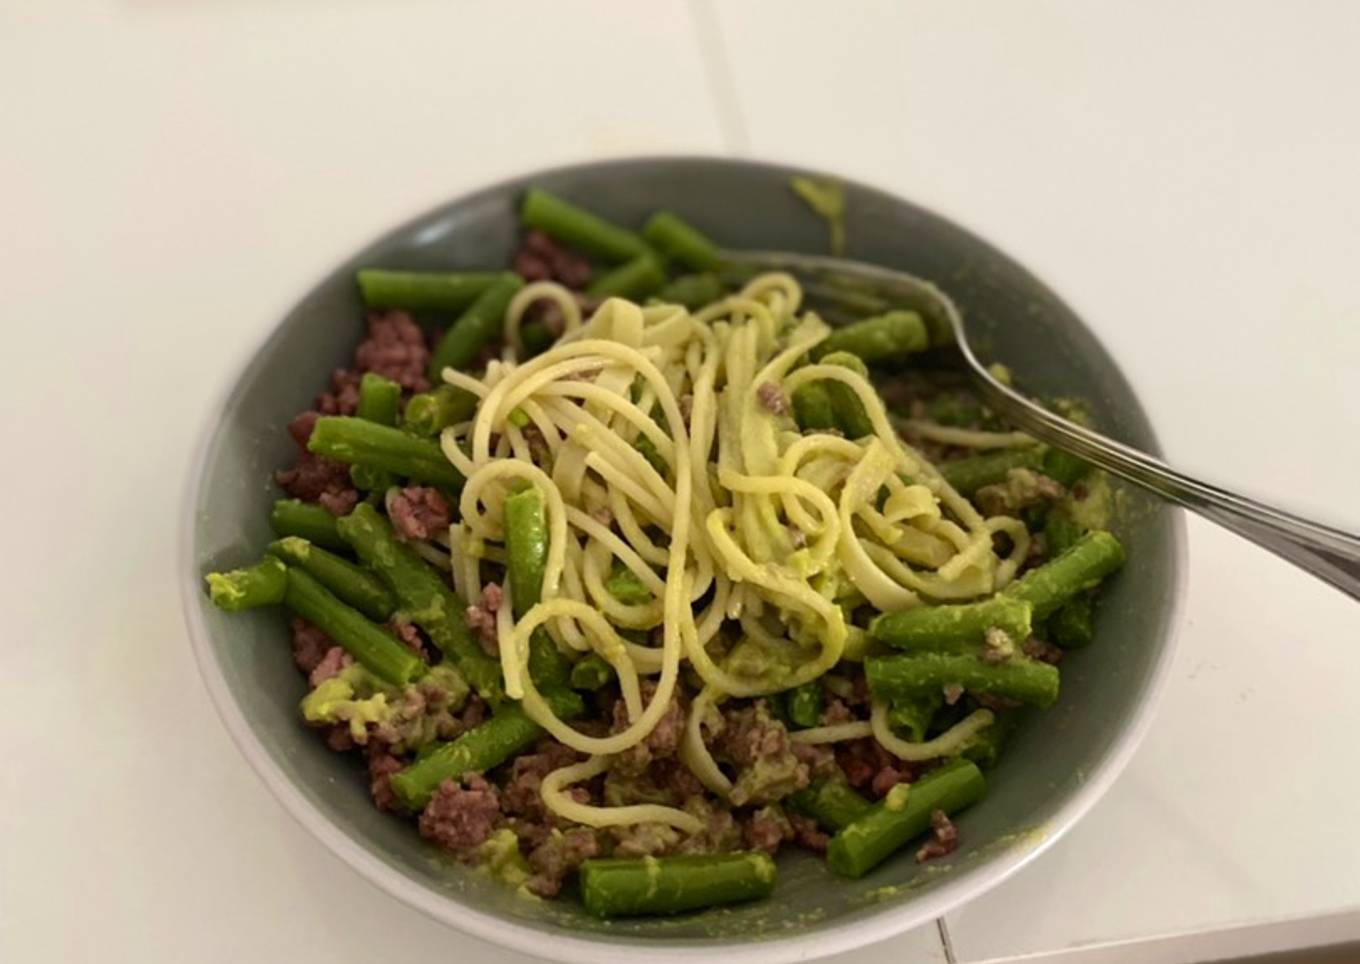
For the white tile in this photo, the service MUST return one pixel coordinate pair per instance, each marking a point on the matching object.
(1184, 176)
(174, 173)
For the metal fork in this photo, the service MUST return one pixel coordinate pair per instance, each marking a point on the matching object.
(854, 289)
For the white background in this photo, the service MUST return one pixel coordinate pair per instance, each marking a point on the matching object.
(173, 173)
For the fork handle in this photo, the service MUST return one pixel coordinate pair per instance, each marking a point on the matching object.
(1330, 554)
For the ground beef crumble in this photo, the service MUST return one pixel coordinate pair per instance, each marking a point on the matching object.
(418, 512)
(945, 841)
(772, 398)
(381, 766)
(540, 258)
(330, 665)
(1046, 652)
(461, 815)
(660, 744)
(481, 617)
(559, 855)
(310, 644)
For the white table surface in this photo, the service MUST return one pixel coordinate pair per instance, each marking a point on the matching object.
(175, 172)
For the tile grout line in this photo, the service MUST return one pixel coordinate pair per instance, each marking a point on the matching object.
(722, 86)
(943, 929)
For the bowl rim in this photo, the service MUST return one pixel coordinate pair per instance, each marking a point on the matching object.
(871, 927)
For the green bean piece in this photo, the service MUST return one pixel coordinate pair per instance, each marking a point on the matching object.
(357, 442)
(1061, 529)
(526, 547)
(1064, 467)
(851, 418)
(1093, 557)
(985, 748)
(263, 584)
(625, 586)
(476, 326)
(429, 413)
(625, 887)
(865, 843)
(366, 478)
(316, 524)
(956, 628)
(693, 291)
(676, 238)
(579, 228)
(914, 714)
(591, 672)
(972, 473)
(422, 290)
(954, 409)
(379, 399)
(424, 597)
(832, 803)
(634, 280)
(352, 584)
(812, 408)
(508, 733)
(536, 337)
(371, 645)
(1019, 677)
(880, 338)
(1072, 625)
(805, 704)
(647, 449)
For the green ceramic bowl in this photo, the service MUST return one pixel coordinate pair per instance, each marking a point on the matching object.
(1058, 764)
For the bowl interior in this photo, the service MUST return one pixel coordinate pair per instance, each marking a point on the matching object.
(1035, 791)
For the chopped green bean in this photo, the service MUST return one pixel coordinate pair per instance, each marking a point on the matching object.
(634, 280)
(508, 733)
(869, 840)
(476, 326)
(1019, 677)
(263, 584)
(379, 399)
(972, 473)
(429, 413)
(316, 524)
(369, 644)
(851, 418)
(353, 584)
(423, 596)
(358, 442)
(526, 547)
(1093, 557)
(913, 715)
(880, 338)
(677, 239)
(591, 672)
(622, 887)
(434, 290)
(985, 748)
(693, 291)
(812, 408)
(954, 627)
(1072, 625)
(625, 586)
(1064, 467)
(367, 478)
(1061, 529)
(804, 704)
(579, 228)
(832, 803)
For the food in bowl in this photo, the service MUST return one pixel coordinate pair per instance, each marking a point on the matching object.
(635, 574)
